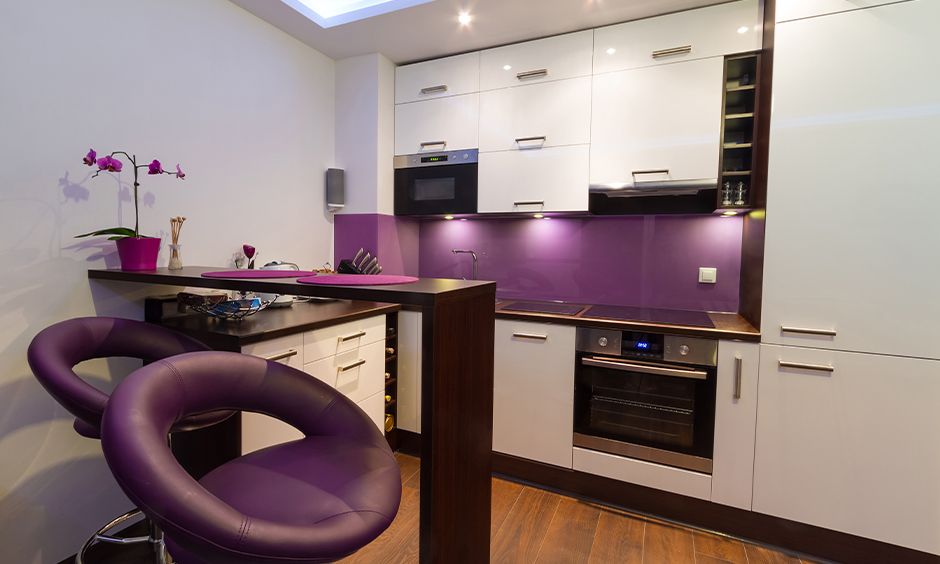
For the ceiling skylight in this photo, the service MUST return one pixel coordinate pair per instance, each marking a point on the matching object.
(328, 13)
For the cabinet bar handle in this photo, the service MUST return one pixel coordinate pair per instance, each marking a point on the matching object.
(353, 336)
(651, 171)
(530, 336)
(736, 394)
(429, 143)
(530, 203)
(805, 331)
(673, 51)
(434, 89)
(282, 356)
(804, 366)
(532, 74)
(644, 369)
(360, 362)
(542, 138)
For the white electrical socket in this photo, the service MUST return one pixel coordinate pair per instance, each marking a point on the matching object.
(707, 275)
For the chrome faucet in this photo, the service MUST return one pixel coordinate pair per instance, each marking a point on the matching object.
(474, 255)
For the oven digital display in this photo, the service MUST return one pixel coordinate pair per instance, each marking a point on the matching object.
(643, 345)
(437, 159)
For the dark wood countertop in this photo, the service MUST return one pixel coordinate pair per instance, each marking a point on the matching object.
(727, 325)
(272, 323)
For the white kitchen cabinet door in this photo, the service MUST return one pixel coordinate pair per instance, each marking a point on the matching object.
(343, 337)
(533, 396)
(542, 60)
(358, 374)
(795, 9)
(409, 371)
(534, 180)
(853, 192)
(447, 124)
(259, 430)
(666, 117)
(707, 32)
(550, 114)
(856, 449)
(735, 423)
(451, 76)
(374, 406)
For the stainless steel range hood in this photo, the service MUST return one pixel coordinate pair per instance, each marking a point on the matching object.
(654, 197)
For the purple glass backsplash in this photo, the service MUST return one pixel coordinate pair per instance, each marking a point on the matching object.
(649, 261)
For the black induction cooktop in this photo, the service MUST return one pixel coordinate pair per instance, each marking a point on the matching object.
(558, 309)
(653, 315)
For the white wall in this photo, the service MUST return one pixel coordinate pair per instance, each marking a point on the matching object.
(365, 132)
(248, 113)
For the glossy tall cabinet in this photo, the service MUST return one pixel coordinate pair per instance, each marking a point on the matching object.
(848, 435)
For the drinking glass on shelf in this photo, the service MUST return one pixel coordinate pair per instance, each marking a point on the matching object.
(740, 194)
(726, 194)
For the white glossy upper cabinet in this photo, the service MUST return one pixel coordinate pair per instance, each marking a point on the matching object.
(851, 233)
(549, 114)
(542, 60)
(665, 118)
(796, 9)
(707, 32)
(540, 180)
(445, 124)
(439, 78)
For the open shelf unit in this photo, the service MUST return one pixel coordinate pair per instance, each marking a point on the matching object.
(738, 125)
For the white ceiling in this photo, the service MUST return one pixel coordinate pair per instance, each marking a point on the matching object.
(431, 30)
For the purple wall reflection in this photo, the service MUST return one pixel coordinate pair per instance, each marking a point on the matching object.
(649, 261)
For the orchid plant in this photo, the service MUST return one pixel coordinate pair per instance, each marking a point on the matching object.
(110, 164)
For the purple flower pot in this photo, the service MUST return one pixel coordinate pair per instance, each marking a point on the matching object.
(138, 254)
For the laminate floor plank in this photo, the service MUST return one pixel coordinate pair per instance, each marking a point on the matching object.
(667, 544)
(760, 555)
(571, 534)
(520, 538)
(504, 497)
(409, 465)
(719, 547)
(619, 539)
(706, 559)
(400, 528)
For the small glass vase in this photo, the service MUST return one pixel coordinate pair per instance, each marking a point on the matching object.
(175, 263)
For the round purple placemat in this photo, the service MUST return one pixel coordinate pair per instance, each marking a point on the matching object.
(358, 280)
(259, 274)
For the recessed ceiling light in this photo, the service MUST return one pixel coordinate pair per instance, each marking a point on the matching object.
(538, 216)
(611, 51)
(506, 67)
(743, 29)
(464, 18)
(328, 13)
(729, 213)
(448, 217)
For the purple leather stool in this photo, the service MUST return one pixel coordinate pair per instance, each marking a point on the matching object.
(312, 500)
(57, 349)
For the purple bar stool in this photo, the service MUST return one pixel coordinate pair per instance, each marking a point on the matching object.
(313, 500)
(55, 351)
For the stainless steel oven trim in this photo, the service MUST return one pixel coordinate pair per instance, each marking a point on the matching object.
(640, 452)
(644, 368)
(465, 156)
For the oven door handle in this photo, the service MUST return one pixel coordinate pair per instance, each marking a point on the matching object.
(659, 371)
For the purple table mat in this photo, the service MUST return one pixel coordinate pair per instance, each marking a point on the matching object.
(358, 280)
(259, 274)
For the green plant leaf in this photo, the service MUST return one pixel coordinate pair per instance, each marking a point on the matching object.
(121, 233)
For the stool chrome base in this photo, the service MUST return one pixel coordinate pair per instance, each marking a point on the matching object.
(155, 538)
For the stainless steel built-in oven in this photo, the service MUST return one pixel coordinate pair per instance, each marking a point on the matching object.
(436, 183)
(646, 396)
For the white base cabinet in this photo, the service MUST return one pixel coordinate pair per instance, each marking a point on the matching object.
(735, 420)
(856, 449)
(533, 395)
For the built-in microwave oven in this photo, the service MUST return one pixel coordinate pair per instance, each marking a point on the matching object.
(442, 183)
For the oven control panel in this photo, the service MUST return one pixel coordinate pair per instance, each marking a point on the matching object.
(648, 346)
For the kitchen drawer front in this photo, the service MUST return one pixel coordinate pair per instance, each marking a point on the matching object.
(343, 338)
(711, 32)
(287, 350)
(357, 374)
(559, 112)
(449, 124)
(657, 118)
(643, 473)
(422, 81)
(855, 449)
(560, 57)
(258, 430)
(535, 180)
(374, 406)
(796, 9)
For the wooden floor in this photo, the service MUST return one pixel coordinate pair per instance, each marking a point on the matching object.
(534, 526)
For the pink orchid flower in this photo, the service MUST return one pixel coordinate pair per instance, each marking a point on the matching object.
(90, 157)
(179, 173)
(109, 164)
(155, 167)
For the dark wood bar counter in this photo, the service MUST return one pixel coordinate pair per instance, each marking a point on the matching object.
(456, 396)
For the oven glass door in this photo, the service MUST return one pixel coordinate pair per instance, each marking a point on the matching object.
(436, 190)
(665, 407)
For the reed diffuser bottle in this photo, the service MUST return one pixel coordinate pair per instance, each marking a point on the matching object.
(176, 224)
